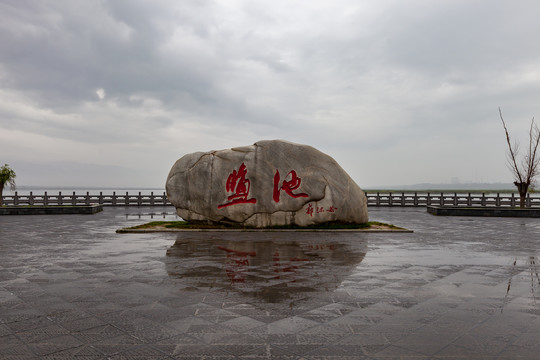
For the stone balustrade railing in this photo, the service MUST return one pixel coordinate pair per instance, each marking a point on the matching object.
(448, 199)
(113, 199)
(374, 199)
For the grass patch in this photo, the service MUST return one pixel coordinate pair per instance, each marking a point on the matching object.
(182, 225)
(336, 226)
(157, 225)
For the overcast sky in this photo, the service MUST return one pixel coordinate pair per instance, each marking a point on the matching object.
(112, 93)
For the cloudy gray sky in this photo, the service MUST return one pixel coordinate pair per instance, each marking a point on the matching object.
(112, 92)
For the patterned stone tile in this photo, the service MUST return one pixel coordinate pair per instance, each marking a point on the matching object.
(368, 338)
(291, 325)
(219, 316)
(42, 334)
(28, 323)
(344, 350)
(396, 352)
(329, 329)
(453, 289)
(79, 353)
(426, 341)
(140, 352)
(10, 341)
(53, 345)
(5, 330)
(98, 334)
(147, 330)
(21, 352)
(242, 324)
(199, 350)
(116, 345)
(83, 324)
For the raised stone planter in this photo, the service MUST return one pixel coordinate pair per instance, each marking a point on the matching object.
(483, 211)
(51, 210)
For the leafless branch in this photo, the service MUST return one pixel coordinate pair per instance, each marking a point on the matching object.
(532, 158)
(512, 153)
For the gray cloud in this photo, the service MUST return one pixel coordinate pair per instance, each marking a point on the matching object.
(382, 82)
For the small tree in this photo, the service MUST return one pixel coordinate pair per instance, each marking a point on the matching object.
(7, 176)
(525, 174)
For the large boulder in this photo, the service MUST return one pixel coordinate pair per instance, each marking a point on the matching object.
(269, 183)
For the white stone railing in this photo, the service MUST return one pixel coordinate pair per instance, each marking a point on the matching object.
(113, 199)
(374, 199)
(448, 199)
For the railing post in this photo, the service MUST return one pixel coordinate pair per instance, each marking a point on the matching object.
(402, 199)
(31, 199)
(152, 198)
(16, 199)
(87, 198)
(415, 200)
(60, 198)
(390, 201)
(100, 198)
(428, 199)
(45, 199)
(164, 198)
(455, 199)
(512, 201)
(469, 200)
(378, 199)
(483, 199)
(139, 199)
(528, 203)
(498, 200)
(127, 199)
(441, 200)
(114, 198)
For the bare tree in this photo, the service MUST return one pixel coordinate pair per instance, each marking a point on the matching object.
(526, 171)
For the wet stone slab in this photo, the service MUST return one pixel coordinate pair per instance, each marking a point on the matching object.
(456, 288)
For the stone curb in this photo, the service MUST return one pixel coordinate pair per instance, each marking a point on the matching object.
(483, 211)
(51, 210)
(131, 231)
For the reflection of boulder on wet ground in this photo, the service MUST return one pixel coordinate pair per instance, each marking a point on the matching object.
(274, 266)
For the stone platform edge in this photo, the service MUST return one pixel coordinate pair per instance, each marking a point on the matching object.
(483, 211)
(128, 231)
(51, 210)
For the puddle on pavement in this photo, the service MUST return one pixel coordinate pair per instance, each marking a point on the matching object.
(274, 267)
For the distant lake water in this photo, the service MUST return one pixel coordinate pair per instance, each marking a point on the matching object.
(25, 190)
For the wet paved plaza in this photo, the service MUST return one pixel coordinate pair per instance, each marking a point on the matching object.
(456, 288)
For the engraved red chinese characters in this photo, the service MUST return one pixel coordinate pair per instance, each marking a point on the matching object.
(287, 186)
(309, 210)
(239, 185)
